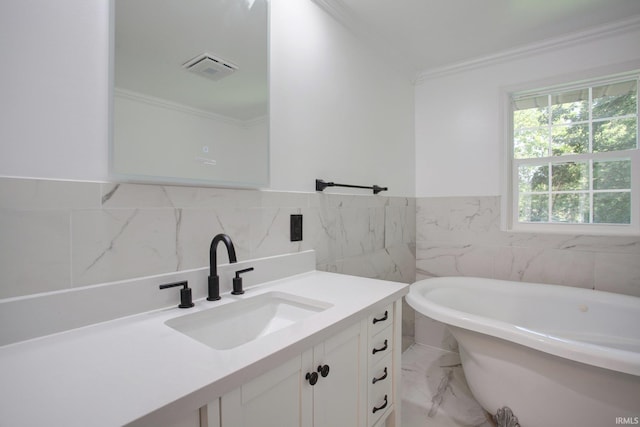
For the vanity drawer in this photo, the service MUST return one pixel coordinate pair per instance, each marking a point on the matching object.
(380, 346)
(380, 375)
(380, 389)
(380, 320)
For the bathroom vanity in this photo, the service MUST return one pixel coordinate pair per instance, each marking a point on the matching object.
(328, 354)
(346, 379)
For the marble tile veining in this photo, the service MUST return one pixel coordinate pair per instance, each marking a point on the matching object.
(434, 391)
(109, 245)
(463, 236)
(84, 233)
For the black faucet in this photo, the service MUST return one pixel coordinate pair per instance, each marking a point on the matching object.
(214, 280)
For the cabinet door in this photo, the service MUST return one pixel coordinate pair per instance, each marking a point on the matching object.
(272, 399)
(210, 414)
(337, 396)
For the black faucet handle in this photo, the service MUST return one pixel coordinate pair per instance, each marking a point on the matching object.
(239, 272)
(185, 293)
(237, 282)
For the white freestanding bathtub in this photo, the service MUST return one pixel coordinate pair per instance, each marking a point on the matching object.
(550, 355)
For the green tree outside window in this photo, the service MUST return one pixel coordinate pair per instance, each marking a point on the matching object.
(581, 123)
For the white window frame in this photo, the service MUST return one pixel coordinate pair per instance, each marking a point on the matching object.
(511, 176)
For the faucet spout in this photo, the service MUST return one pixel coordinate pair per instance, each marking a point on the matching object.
(214, 279)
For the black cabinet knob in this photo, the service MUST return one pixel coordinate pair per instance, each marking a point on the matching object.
(312, 377)
(324, 370)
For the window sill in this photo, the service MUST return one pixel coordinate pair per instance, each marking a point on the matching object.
(576, 229)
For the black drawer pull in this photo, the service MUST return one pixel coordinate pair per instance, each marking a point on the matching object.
(384, 347)
(375, 380)
(382, 319)
(384, 405)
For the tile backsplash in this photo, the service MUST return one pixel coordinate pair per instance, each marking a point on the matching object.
(57, 235)
(461, 236)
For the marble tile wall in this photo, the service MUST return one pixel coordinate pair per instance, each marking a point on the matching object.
(57, 235)
(461, 236)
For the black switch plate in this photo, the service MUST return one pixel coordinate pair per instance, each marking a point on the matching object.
(296, 228)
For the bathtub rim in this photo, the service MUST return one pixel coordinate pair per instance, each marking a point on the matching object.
(614, 359)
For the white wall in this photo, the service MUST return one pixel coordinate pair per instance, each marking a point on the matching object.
(54, 86)
(336, 112)
(339, 112)
(459, 115)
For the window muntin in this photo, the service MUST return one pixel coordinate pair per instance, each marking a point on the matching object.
(575, 150)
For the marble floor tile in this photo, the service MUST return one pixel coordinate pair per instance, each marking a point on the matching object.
(434, 391)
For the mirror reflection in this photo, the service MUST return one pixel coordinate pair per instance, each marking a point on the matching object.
(191, 92)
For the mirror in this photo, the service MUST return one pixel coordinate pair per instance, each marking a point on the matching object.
(190, 102)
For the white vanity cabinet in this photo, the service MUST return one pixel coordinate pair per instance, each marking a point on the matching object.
(193, 419)
(334, 400)
(383, 359)
(331, 384)
(318, 326)
(272, 399)
(319, 388)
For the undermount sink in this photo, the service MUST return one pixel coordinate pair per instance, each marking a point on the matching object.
(240, 322)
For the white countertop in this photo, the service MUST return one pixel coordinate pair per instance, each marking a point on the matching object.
(138, 370)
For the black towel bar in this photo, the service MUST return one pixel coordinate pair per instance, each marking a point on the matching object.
(321, 185)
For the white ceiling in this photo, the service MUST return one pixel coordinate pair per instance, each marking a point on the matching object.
(431, 34)
(153, 39)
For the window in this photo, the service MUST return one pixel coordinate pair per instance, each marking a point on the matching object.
(574, 156)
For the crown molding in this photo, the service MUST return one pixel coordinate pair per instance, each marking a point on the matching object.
(258, 121)
(609, 30)
(163, 103)
(339, 11)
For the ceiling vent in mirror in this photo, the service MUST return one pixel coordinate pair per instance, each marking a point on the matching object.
(209, 66)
